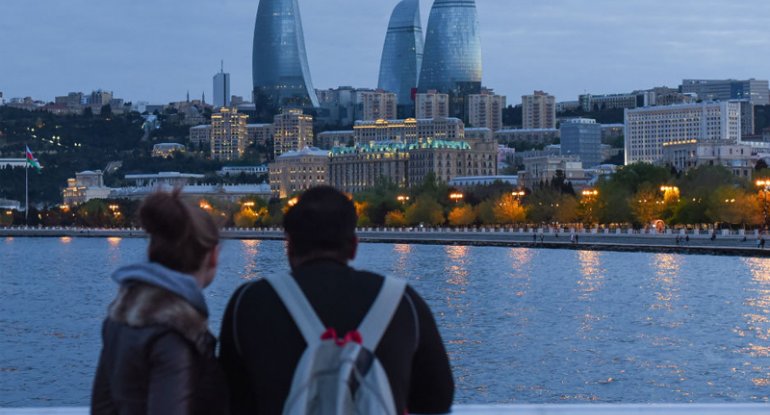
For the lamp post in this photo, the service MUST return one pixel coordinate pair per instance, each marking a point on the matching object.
(589, 196)
(456, 197)
(764, 186)
(402, 198)
(518, 194)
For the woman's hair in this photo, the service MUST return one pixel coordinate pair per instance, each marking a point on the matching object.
(181, 234)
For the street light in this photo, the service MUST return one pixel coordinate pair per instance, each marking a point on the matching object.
(456, 196)
(518, 194)
(402, 198)
(764, 186)
(589, 195)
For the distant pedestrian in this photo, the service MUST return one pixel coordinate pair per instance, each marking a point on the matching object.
(676, 240)
(713, 235)
(687, 239)
(542, 237)
(577, 239)
(762, 243)
(534, 238)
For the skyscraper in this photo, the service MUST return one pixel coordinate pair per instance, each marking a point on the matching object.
(279, 61)
(222, 88)
(452, 59)
(402, 52)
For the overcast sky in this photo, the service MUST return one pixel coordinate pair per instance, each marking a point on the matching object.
(157, 50)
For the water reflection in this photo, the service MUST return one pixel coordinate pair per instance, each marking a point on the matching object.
(9, 239)
(758, 321)
(667, 268)
(591, 280)
(521, 258)
(402, 253)
(65, 239)
(457, 271)
(114, 250)
(250, 252)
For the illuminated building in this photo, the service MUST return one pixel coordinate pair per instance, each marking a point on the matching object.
(409, 130)
(292, 131)
(228, 134)
(279, 67)
(357, 168)
(296, 171)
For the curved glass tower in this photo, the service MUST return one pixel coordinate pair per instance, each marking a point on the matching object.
(279, 61)
(402, 53)
(452, 59)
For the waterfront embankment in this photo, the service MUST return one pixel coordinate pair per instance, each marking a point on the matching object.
(694, 242)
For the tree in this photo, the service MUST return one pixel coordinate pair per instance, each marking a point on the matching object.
(395, 218)
(485, 212)
(425, 210)
(462, 216)
(567, 209)
(645, 205)
(508, 210)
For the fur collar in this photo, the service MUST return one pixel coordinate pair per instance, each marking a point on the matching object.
(140, 305)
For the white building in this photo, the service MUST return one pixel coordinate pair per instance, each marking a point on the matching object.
(238, 170)
(167, 149)
(377, 105)
(688, 154)
(200, 134)
(296, 171)
(229, 135)
(647, 129)
(292, 131)
(409, 130)
(85, 186)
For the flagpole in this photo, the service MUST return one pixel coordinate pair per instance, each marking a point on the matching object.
(26, 192)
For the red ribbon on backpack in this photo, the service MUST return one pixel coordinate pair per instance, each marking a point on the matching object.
(352, 336)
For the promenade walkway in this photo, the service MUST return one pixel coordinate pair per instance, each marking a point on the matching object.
(725, 243)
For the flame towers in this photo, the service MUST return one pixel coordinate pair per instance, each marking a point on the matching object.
(452, 60)
(279, 61)
(402, 52)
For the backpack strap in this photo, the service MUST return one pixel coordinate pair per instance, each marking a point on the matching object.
(301, 311)
(378, 318)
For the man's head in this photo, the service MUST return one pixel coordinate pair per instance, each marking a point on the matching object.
(321, 225)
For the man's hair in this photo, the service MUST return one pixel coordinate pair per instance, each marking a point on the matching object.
(323, 220)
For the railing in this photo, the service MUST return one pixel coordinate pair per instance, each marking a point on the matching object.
(550, 409)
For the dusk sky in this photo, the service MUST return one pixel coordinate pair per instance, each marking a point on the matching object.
(157, 50)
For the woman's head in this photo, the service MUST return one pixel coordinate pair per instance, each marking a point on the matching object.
(183, 237)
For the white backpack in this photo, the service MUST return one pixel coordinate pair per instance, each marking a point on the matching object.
(339, 376)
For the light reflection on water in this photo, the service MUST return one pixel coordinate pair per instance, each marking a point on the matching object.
(757, 332)
(521, 325)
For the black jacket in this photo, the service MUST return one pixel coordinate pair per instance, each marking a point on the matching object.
(157, 357)
(259, 378)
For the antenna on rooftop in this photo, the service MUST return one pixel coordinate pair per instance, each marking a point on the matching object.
(222, 66)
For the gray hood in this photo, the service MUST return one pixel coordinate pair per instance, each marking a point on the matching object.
(183, 285)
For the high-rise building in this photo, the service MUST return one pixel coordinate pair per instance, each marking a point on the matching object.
(279, 66)
(538, 110)
(452, 58)
(377, 105)
(431, 104)
(402, 52)
(582, 137)
(292, 131)
(222, 88)
(647, 129)
(229, 136)
(485, 110)
(756, 91)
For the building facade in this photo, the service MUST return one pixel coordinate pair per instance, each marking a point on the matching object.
(538, 111)
(166, 150)
(409, 130)
(85, 186)
(402, 52)
(582, 137)
(281, 74)
(485, 110)
(357, 168)
(431, 104)
(452, 57)
(688, 154)
(297, 171)
(292, 131)
(377, 105)
(532, 136)
(330, 139)
(222, 89)
(647, 129)
(200, 134)
(259, 134)
(229, 136)
(756, 91)
(542, 169)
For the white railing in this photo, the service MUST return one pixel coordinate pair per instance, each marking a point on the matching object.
(549, 409)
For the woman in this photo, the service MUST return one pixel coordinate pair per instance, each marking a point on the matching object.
(158, 355)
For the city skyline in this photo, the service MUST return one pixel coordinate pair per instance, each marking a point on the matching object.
(564, 47)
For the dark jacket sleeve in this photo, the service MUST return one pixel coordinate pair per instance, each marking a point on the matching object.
(173, 376)
(242, 399)
(101, 396)
(432, 387)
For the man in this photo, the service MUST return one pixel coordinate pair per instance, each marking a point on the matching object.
(261, 345)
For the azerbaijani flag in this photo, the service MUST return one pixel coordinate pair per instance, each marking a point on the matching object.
(32, 161)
